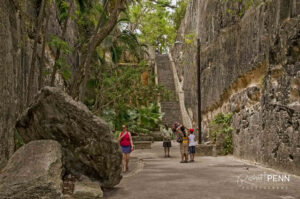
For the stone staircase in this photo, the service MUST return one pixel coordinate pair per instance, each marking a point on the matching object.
(165, 78)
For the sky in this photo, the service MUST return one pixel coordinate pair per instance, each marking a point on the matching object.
(174, 3)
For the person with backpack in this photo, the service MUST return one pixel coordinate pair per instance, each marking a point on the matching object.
(192, 145)
(126, 143)
(183, 140)
(174, 130)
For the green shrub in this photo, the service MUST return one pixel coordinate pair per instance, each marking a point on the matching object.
(140, 120)
(116, 134)
(222, 125)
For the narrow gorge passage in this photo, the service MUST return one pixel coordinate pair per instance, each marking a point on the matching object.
(83, 83)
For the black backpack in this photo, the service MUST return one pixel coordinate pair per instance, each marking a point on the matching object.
(179, 139)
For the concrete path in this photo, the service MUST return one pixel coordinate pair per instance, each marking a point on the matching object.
(152, 176)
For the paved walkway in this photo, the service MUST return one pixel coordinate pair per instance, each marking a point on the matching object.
(151, 176)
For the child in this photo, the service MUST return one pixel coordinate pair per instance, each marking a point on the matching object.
(192, 145)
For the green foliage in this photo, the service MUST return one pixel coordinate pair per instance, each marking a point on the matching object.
(189, 38)
(18, 140)
(87, 16)
(57, 42)
(222, 118)
(115, 88)
(138, 120)
(119, 95)
(222, 125)
(179, 13)
(63, 8)
(122, 43)
(153, 21)
(144, 119)
(122, 85)
(116, 134)
(242, 5)
(63, 67)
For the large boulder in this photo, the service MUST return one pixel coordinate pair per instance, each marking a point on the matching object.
(88, 144)
(34, 171)
(87, 189)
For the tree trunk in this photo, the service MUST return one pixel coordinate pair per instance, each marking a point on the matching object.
(34, 53)
(96, 39)
(58, 51)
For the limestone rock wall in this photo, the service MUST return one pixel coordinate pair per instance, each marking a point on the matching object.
(250, 62)
(17, 22)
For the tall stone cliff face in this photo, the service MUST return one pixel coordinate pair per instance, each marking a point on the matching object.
(250, 63)
(17, 25)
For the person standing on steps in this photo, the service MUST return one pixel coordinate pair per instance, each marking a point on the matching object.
(182, 138)
(192, 145)
(167, 136)
(126, 143)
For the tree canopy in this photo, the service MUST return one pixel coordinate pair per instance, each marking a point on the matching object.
(157, 21)
(115, 77)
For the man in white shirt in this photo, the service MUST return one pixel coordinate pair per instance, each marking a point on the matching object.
(167, 136)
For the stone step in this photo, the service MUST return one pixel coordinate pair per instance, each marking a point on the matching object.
(142, 138)
(142, 144)
(165, 78)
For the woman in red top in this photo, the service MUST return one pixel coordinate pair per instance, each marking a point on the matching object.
(126, 146)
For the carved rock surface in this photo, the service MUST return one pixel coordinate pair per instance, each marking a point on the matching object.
(250, 66)
(88, 144)
(33, 172)
(17, 25)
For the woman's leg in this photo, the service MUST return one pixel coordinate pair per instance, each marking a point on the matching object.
(181, 152)
(127, 160)
(186, 156)
(168, 151)
(124, 162)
